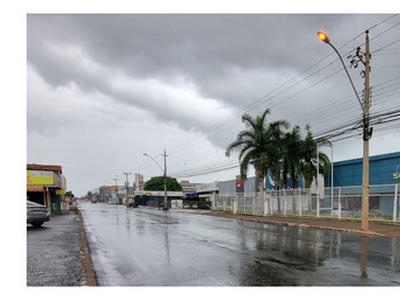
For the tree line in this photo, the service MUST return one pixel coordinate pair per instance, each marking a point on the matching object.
(283, 151)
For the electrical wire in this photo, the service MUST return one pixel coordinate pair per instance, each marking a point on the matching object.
(348, 129)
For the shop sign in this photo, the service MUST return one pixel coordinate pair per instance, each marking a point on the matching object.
(39, 177)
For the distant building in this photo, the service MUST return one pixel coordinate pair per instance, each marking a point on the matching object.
(206, 191)
(108, 192)
(139, 183)
(231, 187)
(188, 187)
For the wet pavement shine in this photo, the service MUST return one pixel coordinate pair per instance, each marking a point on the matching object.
(149, 247)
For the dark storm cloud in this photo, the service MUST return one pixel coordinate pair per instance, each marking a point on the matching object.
(160, 45)
(104, 88)
(231, 58)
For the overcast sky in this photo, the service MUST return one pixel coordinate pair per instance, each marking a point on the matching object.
(102, 89)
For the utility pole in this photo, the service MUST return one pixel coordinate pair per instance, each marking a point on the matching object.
(367, 134)
(165, 180)
(367, 131)
(126, 185)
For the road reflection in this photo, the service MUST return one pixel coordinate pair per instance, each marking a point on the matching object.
(284, 256)
(152, 247)
(364, 257)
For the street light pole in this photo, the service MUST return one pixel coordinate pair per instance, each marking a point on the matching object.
(116, 189)
(126, 186)
(367, 131)
(165, 206)
(165, 181)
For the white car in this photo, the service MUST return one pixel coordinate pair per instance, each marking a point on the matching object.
(36, 214)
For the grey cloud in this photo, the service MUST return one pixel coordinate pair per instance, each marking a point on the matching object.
(132, 83)
(232, 58)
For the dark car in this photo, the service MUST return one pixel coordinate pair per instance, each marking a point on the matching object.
(132, 204)
(36, 214)
(204, 206)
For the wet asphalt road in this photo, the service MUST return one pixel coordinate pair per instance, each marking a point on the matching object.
(53, 252)
(148, 247)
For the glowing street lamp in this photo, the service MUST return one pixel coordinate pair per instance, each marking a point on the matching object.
(323, 37)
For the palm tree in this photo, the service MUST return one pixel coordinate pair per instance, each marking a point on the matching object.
(276, 148)
(253, 146)
(269, 147)
(310, 153)
(292, 156)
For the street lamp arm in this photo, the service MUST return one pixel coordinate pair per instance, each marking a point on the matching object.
(348, 75)
(145, 154)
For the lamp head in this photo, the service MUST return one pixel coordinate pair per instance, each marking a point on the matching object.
(323, 37)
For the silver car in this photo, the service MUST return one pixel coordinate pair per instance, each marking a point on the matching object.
(37, 214)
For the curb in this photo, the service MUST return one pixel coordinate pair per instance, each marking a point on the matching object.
(351, 231)
(88, 274)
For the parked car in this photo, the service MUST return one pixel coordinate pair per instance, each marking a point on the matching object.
(204, 206)
(132, 204)
(36, 214)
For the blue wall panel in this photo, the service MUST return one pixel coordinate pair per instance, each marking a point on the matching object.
(383, 170)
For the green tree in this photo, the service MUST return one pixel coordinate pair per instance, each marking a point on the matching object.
(69, 194)
(157, 184)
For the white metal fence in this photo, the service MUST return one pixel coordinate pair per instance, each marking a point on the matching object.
(339, 202)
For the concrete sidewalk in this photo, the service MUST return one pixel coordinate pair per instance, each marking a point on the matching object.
(53, 252)
(353, 227)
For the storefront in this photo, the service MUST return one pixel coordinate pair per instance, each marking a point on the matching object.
(46, 185)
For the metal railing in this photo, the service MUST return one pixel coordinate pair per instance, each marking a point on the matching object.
(337, 202)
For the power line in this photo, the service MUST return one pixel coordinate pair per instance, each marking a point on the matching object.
(338, 133)
(284, 88)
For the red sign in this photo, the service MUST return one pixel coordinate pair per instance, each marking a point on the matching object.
(238, 184)
(113, 188)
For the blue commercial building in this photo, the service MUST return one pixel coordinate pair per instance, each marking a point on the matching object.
(384, 174)
(383, 169)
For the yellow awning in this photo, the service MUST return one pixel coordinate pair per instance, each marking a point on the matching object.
(35, 188)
